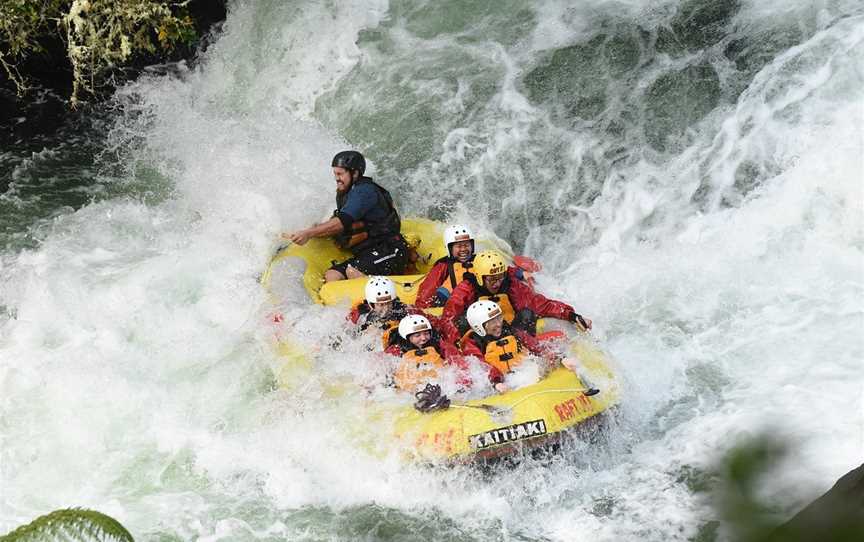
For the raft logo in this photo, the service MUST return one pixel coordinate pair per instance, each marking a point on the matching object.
(504, 435)
(571, 407)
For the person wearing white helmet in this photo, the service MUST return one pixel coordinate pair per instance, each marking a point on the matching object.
(495, 342)
(419, 353)
(447, 272)
(380, 309)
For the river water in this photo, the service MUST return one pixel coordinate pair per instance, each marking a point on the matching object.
(690, 174)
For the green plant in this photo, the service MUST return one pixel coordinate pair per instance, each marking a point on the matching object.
(98, 34)
(70, 524)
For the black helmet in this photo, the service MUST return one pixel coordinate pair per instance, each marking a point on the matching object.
(350, 160)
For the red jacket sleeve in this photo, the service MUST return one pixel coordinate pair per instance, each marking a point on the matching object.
(523, 296)
(433, 279)
(462, 296)
(449, 351)
(530, 342)
(393, 350)
(354, 315)
(470, 348)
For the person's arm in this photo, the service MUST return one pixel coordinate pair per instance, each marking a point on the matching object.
(431, 282)
(356, 312)
(523, 296)
(449, 351)
(325, 229)
(394, 350)
(360, 200)
(471, 350)
(462, 296)
(544, 350)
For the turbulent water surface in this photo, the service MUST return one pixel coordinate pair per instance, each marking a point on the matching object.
(690, 173)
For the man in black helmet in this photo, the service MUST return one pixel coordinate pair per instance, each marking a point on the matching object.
(365, 222)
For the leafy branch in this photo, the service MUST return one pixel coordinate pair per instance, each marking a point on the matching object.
(70, 524)
(99, 35)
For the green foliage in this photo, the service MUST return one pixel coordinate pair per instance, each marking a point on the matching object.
(70, 524)
(742, 473)
(22, 23)
(99, 34)
(103, 33)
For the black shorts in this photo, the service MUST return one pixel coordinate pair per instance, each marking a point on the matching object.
(384, 259)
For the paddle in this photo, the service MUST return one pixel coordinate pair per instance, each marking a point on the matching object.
(527, 264)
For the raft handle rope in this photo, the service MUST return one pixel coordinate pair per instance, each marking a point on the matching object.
(495, 410)
(430, 399)
(409, 285)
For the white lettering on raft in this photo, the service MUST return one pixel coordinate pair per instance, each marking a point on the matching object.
(511, 433)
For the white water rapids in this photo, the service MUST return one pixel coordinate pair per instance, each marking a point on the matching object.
(700, 197)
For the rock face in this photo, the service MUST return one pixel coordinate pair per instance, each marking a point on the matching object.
(836, 516)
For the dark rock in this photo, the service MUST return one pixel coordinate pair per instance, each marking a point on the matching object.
(697, 24)
(751, 53)
(677, 100)
(575, 80)
(836, 516)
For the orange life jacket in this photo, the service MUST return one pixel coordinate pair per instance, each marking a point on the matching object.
(389, 328)
(455, 273)
(504, 354)
(417, 367)
(357, 235)
(503, 301)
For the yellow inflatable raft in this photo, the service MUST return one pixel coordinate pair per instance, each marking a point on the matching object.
(486, 427)
(425, 236)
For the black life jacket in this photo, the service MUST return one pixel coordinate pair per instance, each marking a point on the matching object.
(366, 234)
(388, 324)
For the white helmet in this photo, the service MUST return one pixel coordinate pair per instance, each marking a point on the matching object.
(380, 290)
(456, 233)
(481, 312)
(412, 324)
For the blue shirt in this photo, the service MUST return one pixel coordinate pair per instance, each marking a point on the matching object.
(361, 203)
